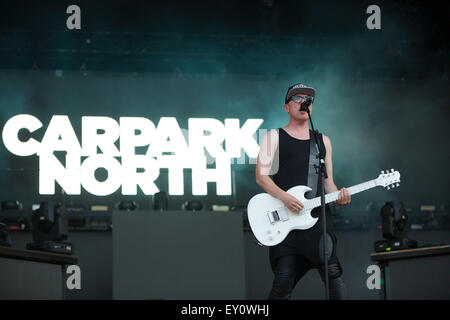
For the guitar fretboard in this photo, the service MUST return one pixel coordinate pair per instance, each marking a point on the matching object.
(315, 202)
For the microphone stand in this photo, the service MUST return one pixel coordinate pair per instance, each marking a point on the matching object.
(321, 170)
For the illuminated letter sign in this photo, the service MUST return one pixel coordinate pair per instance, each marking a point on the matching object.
(111, 145)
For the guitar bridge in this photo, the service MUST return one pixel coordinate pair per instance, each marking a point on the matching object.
(279, 214)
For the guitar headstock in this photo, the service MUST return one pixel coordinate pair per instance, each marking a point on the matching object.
(388, 179)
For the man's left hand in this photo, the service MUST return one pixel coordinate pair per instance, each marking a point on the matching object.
(344, 197)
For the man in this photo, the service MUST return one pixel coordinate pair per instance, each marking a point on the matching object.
(285, 155)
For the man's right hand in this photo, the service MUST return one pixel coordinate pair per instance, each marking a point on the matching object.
(291, 202)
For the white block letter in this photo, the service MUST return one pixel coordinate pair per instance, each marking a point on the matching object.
(211, 142)
(237, 138)
(60, 137)
(105, 141)
(175, 164)
(128, 137)
(169, 138)
(132, 178)
(91, 184)
(51, 171)
(11, 130)
(221, 175)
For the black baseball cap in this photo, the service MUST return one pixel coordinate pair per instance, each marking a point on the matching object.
(299, 89)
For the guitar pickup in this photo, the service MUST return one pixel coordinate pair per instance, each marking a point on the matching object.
(278, 215)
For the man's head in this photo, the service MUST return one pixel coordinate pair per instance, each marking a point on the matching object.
(295, 96)
(299, 89)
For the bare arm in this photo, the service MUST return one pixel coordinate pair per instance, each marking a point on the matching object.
(267, 164)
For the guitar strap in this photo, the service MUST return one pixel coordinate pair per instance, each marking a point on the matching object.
(313, 177)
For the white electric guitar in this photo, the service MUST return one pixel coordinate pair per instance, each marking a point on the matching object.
(271, 221)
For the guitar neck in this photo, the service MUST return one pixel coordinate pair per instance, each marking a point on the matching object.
(315, 202)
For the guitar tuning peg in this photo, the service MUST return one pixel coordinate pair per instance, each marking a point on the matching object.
(392, 170)
(398, 184)
(382, 171)
(388, 187)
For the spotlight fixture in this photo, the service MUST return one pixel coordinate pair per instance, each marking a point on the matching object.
(394, 220)
(127, 206)
(192, 206)
(49, 228)
(11, 205)
(99, 207)
(394, 226)
(13, 215)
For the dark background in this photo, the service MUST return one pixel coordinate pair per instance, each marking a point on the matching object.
(382, 95)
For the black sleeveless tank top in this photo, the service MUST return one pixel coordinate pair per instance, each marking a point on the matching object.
(293, 171)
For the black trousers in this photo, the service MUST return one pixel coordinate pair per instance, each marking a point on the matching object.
(291, 268)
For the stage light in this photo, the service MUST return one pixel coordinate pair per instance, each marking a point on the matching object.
(394, 227)
(192, 206)
(49, 228)
(13, 216)
(394, 220)
(127, 206)
(11, 205)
